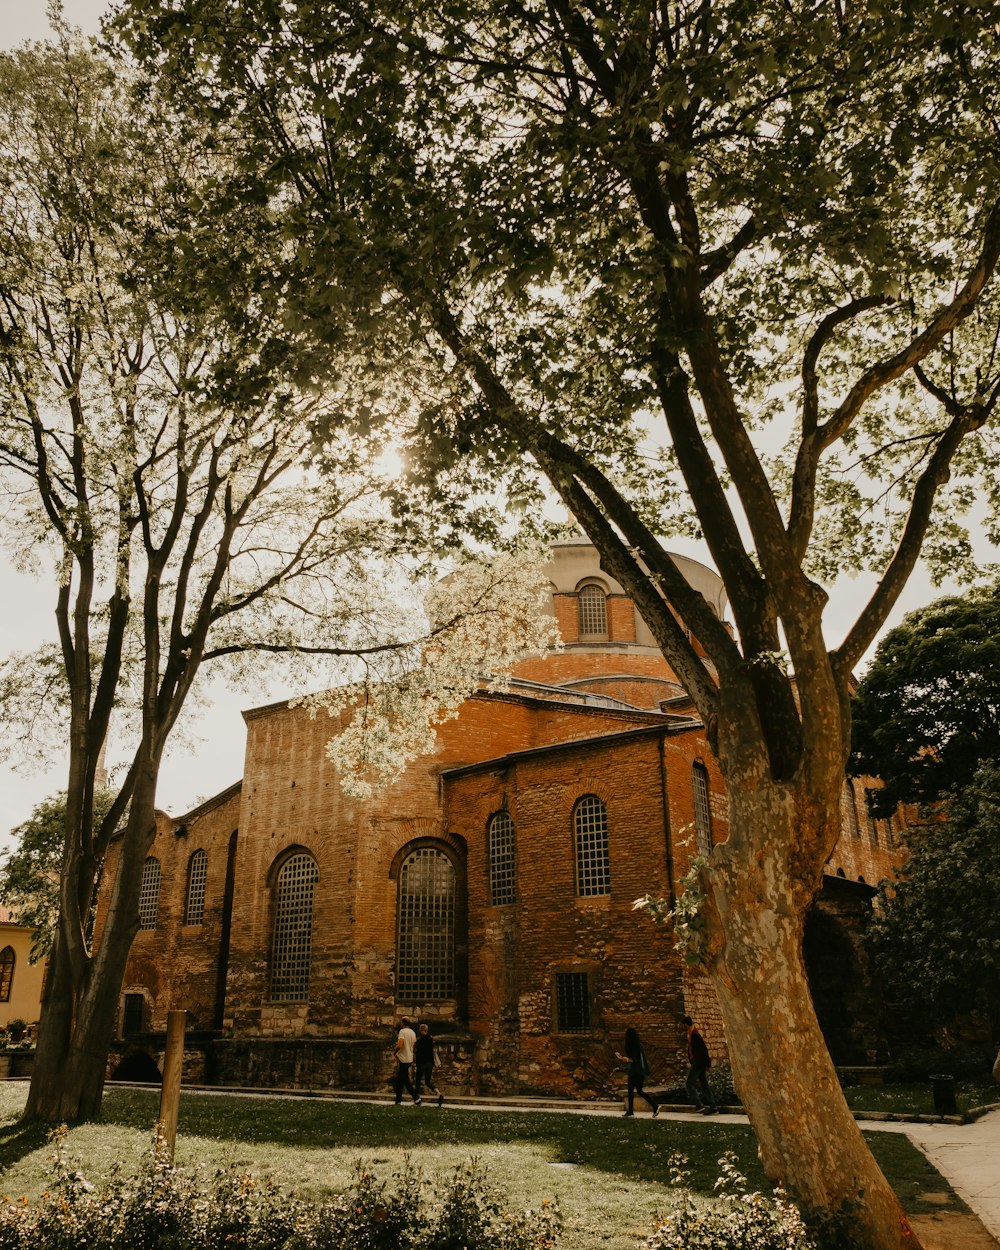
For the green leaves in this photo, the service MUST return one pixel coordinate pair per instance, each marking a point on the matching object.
(927, 712)
(936, 935)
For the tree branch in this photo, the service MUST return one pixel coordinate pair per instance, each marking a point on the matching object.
(715, 263)
(907, 552)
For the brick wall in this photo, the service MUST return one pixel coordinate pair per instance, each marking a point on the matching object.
(533, 757)
(175, 966)
(516, 951)
(595, 659)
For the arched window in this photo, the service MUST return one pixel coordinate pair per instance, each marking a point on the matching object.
(6, 973)
(593, 869)
(702, 808)
(194, 908)
(849, 803)
(425, 949)
(149, 893)
(502, 864)
(593, 612)
(291, 950)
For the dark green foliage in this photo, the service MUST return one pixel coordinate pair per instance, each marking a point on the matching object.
(29, 871)
(968, 1062)
(935, 938)
(928, 710)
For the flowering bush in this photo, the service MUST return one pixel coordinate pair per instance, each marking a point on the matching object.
(170, 1208)
(737, 1220)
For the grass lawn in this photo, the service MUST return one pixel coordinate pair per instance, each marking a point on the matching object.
(608, 1175)
(917, 1098)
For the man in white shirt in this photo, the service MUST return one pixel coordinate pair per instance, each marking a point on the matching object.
(405, 1043)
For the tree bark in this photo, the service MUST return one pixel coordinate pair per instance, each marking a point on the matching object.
(78, 1013)
(809, 1141)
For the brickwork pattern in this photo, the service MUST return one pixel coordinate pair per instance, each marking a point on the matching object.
(532, 757)
(176, 966)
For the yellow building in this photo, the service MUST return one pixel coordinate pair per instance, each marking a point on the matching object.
(20, 980)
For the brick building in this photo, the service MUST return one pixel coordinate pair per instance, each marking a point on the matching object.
(488, 891)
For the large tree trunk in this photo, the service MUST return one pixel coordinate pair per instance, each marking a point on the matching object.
(808, 1139)
(78, 1012)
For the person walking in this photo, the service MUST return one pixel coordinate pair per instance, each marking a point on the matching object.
(426, 1061)
(637, 1069)
(697, 1077)
(403, 1050)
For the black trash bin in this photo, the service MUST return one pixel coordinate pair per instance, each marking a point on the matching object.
(944, 1095)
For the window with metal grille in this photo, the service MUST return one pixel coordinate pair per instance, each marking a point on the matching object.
(133, 1014)
(194, 909)
(291, 950)
(149, 893)
(572, 1002)
(593, 869)
(502, 875)
(849, 802)
(702, 809)
(6, 973)
(425, 947)
(593, 612)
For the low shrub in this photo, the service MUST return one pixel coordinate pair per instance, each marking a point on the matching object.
(736, 1220)
(168, 1208)
(720, 1078)
(962, 1060)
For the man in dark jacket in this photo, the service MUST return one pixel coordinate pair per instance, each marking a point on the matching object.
(697, 1084)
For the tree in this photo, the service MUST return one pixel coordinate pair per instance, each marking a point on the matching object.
(29, 871)
(927, 712)
(712, 266)
(161, 455)
(935, 937)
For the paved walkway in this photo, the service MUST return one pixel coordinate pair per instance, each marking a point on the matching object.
(968, 1157)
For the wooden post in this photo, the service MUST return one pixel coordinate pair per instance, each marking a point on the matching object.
(170, 1095)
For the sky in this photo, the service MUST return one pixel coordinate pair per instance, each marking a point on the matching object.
(215, 758)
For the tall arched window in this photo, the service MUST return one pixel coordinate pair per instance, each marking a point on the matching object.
(425, 947)
(194, 907)
(593, 868)
(149, 893)
(6, 973)
(849, 802)
(702, 808)
(291, 950)
(593, 612)
(502, 865)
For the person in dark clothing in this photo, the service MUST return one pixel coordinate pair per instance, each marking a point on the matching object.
(637, 1069)
(425, 1061)
(697, 1077)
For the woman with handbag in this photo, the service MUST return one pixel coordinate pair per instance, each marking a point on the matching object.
(637, 1069)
